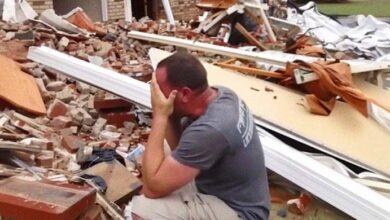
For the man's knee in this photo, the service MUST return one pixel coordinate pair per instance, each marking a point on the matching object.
(136, 217)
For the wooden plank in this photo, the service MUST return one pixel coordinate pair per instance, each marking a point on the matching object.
(372, 90)
(345, 133)
(249, 37)
(121, 183)
(19, 89)
(254, 71)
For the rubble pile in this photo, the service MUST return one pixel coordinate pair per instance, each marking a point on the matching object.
(72, 131)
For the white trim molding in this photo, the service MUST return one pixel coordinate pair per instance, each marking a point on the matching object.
(104, 9)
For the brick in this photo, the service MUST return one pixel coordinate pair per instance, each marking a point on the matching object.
(72, 47)
(42, 143)
(87, 118)
(98, 126)
(111, 103)
(82, 87)
(110, 145)
(20, 199)
(45, 161)
(57, 108)
(111, 128)
(300, 205)
(69, 131)
(118, 119)
(123, 147)
(66, 95)
(77, 116)
(109, 135)
(72, 143)
(64, 42)
(55, 86)
(86, 128)
(61, 122)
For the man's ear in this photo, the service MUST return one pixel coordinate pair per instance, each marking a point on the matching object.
(185, 94)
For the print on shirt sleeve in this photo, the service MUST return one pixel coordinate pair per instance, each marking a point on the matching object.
(245, 123)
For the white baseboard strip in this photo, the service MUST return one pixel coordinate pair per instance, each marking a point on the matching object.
(342, 192)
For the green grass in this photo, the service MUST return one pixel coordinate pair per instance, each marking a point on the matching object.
(378, 8)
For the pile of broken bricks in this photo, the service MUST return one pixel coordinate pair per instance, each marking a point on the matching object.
(81, 135)
(78, 130)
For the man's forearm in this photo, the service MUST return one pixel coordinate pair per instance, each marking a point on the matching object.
(174, 131)
(154, 152)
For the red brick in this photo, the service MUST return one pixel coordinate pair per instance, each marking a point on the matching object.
(72, 143)
(110, 145)
(300, 205)
(111, 103)
(61, 122)
(117, 119)
(57, 108)
(29, 200)
(44, 161)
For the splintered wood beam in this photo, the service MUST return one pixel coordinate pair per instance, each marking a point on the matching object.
(254, 71)
(249, 37)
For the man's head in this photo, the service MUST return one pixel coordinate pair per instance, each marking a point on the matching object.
(184, 73)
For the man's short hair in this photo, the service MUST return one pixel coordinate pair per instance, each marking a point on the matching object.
(185, 70)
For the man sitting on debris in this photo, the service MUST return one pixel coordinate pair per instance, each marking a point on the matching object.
(219, 149)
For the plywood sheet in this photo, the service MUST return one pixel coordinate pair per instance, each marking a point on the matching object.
(19, 88)
(372, 90)
(345, 132)
(121, 183)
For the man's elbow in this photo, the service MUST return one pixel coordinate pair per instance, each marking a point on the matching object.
(154, 192)
(152, 195)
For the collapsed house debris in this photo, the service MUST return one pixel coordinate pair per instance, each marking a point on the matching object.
(75, 109)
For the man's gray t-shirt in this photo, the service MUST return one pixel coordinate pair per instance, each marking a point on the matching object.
(224, 145)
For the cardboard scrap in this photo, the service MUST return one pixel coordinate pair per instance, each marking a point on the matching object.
(19, 88)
